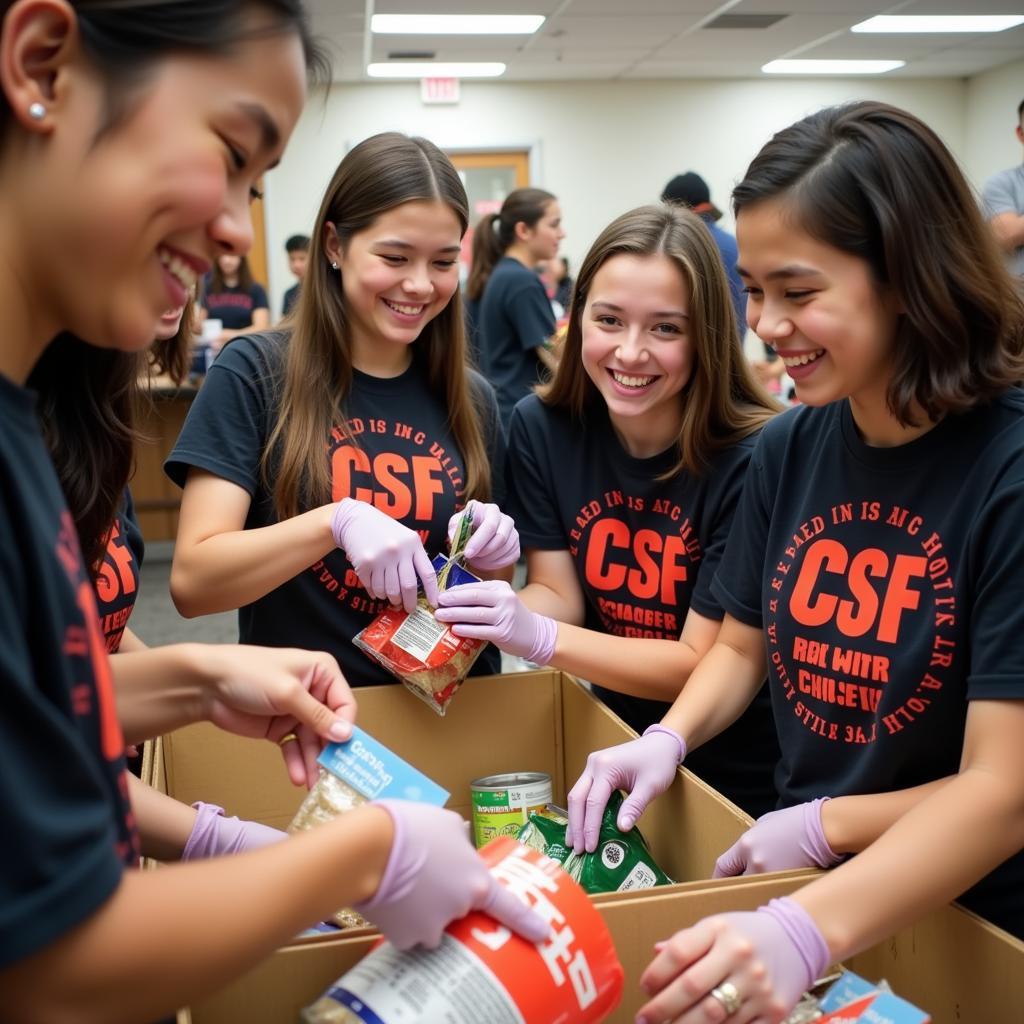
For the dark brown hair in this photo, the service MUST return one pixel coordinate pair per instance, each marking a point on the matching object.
(217, 283)
(379, 174)
(874, 181)
(722, 402)
(497, 231)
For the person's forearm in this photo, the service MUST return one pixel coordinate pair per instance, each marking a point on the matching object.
(228, 570)
(853, 823)
(164, 823)
(655, 669)
(168, 937)
(719, 690)
(130, 642)
(931, 855)
(1009, 231)
(543, 600)
(505, 574)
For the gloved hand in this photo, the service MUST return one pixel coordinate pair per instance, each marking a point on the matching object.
(645, 767)
(790, 838)
(491, 611)
(434, 876)
(214, 835)
(494, 543)
(387, 556)
(770, 957)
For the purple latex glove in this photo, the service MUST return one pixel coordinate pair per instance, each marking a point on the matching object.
(644, 767)
(434, 876)
(771, 957)
(791, 838)
(214, 835)
(491, 611)
(388, 557)
(494, 543)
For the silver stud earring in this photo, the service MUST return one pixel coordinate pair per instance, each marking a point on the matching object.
(37, 111)
(334, 266)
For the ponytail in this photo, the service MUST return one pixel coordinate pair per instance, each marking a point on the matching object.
(497, 231)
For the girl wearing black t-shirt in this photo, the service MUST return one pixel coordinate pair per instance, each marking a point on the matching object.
(322, 464)
(232, 296)
(873, 567)
(162, 116)
(624, 474)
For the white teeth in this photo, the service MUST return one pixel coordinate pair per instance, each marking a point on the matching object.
(407, 310)
(632, 382)
(803, 360)
(179, 268)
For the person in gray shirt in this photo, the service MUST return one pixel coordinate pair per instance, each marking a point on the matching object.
(1004, 206)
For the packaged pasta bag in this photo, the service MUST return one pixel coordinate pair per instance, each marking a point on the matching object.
(621, 863)
(353, 773)
(420, 651)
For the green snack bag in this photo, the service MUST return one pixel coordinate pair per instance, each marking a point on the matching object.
(621, 862)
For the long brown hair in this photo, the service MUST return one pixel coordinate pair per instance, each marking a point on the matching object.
(497, 231)
(722, 402)
(379, 174)
(874, 181)
(88, 404)
(218, 284)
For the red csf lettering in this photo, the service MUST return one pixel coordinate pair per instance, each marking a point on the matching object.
(856, 617)
(606, 532)
(653, 569)
(118, 578)
(389, 483)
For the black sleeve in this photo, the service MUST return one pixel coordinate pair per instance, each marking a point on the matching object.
(531, 479)
(726, 488)
(226, 428)
(259, 296)
(59, 863)
(531, 315)
(737, 584)
(494, 435)
(996, 555)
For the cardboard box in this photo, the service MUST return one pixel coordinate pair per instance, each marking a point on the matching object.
(531, 721)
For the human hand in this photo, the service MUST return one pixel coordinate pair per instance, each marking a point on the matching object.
(388, 557)
(645, 767)
(492, 611)
(433, 877)
(790, 838)
(494, 543)
(739, 966)
(214, 835)
(297, 699)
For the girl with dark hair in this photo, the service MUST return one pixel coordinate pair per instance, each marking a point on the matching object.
(232, 296)
(625, 472)
(873, 566)
(164, 115)
(322, 463)
(509, 311)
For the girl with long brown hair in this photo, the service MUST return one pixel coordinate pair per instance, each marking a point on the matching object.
(322, 463)
(625, 472)
(873, 570)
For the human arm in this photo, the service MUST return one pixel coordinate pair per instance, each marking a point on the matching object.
(1009, 231)
(258, 692)
(130, 642)
(1002, 209)
(260, 322)
(409, 867)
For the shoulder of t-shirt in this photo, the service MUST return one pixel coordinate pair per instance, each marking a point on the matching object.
(255, 355)
(799, 423)
(537, 417)
(1002, 424)
(516, 278)
(258, 293)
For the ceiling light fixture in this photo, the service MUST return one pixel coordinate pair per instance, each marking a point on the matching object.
(831, 67)
(936, 23)
(456, 24)
(436, 69)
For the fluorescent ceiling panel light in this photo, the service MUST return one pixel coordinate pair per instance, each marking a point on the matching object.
(831, 67)
(935, 23)
(435, 69)
(456, 24)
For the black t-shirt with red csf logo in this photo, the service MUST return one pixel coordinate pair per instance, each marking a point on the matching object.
(645, 551)
(63, 792)
(117, 584)
(888, 582)
(401, 457)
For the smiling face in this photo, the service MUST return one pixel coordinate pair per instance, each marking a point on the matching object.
(397, 274)
(818, 307)
(124, 221)
(636, 343)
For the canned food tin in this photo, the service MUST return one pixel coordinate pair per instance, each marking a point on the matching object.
(502, 804)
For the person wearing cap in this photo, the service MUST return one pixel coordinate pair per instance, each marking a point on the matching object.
(691, 190)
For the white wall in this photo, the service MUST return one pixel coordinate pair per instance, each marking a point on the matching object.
(991, 116)
(604, 146)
